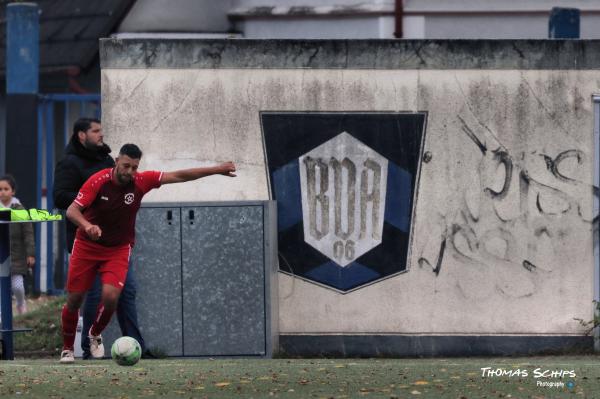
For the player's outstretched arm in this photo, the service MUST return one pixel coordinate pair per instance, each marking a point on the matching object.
(179, 176)
(74, 214)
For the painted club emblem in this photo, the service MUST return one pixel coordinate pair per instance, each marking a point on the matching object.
(343, 184)
(129, 197)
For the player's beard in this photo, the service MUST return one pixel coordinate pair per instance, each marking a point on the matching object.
(93, 146)
(123, 179)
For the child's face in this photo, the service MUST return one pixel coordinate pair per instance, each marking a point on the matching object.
(6, 191)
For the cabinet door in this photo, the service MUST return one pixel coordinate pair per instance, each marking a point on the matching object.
(156, 261)
(223, 281)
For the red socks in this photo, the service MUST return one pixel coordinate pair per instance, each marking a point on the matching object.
(70, 319)
(103, 316)
(69, 327)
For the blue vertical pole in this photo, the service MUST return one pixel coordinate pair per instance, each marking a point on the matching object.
(5, 293)
(98, 112)
(22, 74)
(38, 194)
(41, 115)
(49, 200)
(22, 48)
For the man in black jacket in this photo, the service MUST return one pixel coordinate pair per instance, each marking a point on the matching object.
(85, 155)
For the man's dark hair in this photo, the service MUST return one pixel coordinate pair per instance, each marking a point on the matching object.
(10, 180)
(83, 124)
(131, 150)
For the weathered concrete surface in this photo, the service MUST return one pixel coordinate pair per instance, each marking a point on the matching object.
(505, 200)
(351, 54)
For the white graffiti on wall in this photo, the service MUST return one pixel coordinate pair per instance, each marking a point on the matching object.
(518, 223)
(343, 184)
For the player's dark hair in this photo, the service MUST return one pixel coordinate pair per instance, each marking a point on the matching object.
(10, 180)
(83, 124)
(131, 150)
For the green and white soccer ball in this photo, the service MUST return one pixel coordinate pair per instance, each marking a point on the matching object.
(126, 351)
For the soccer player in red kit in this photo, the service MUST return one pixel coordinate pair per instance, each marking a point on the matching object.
(104, 212)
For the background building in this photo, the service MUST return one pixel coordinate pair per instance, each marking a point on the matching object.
(469, 266)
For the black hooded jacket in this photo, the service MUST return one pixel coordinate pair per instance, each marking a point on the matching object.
(78, 164)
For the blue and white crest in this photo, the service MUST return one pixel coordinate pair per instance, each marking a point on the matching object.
(344, 184)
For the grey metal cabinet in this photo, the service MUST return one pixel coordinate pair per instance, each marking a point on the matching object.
(206, 279)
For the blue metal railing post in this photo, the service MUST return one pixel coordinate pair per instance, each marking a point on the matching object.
(46, 137)
(49, 200)
(65, 139)
(37, 227)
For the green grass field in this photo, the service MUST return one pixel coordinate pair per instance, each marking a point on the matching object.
(299, 378)
(280, 378)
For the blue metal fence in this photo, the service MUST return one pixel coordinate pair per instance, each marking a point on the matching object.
(75, 106)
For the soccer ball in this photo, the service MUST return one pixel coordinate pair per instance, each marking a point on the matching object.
(126, 351)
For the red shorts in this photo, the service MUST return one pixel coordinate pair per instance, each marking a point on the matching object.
(89, 259)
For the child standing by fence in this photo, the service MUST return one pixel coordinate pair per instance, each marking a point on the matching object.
(22, 243)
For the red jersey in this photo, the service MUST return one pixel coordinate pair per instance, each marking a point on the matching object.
(113, 207)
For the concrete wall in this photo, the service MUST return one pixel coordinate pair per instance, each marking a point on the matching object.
(502, 238)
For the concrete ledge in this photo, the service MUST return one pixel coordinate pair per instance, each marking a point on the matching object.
(349, 54)
(429, 346)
